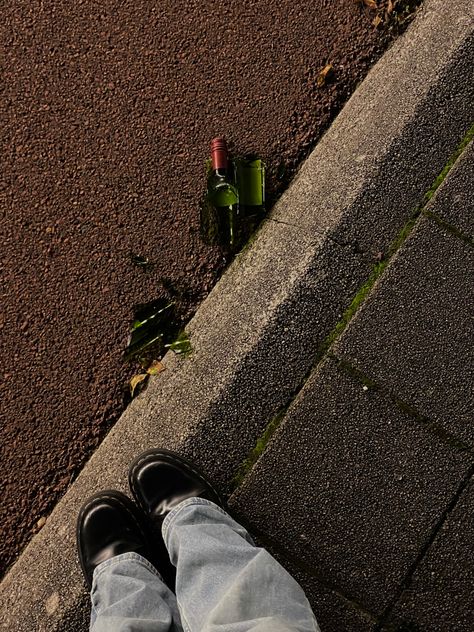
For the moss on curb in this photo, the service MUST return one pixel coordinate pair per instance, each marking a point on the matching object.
(260, 446)
(449, 165)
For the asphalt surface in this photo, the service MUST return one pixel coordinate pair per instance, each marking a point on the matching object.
(108, 110)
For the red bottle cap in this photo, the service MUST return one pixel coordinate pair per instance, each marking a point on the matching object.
(219, 153)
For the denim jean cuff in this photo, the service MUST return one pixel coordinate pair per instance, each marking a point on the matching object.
(130, 557)
(167, 522)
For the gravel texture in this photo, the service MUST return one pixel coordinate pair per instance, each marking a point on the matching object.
(107, 113)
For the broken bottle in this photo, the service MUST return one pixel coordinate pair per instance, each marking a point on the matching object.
(235, 199)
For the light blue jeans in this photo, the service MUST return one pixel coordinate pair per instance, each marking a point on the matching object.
(224, 583)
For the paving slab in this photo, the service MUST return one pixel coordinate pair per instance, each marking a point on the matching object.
(454, 201)
(351, 485)
(333, 612)
(414, 334)
(440, 596)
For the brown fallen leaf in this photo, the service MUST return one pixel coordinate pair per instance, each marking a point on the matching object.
(370, 4)
(324, 75)
(135, 381)
(155, 367)
(377, 21)
(389, 8)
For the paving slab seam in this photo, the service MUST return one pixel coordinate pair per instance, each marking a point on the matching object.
(323, 350)
(469, 136)
(358, 300)
(385, 617)
(432, 427)
(453, 230)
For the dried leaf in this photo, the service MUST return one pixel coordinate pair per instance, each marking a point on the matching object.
(324, 75)
(135, 381)
(41, 522)
(377, 21)
(155, 367)
(371, 4)
(389, 8)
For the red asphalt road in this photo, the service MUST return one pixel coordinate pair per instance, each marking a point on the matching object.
(107, 112)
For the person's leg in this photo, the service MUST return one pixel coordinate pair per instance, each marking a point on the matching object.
(119, 561)
(129, 595)
(224, 582)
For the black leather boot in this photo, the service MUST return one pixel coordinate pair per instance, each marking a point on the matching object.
(161, 479)
(109, 524)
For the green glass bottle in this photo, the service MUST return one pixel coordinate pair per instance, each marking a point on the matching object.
(250, 182)
(222, 194)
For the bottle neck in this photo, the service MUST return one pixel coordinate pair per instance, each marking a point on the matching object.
(219, 155)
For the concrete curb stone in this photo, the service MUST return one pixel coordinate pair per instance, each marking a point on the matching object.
(362, 187)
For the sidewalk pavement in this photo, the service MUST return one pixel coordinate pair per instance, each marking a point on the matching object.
(330, 384)
(367, 486)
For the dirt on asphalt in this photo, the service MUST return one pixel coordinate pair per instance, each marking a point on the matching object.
(107, 111)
